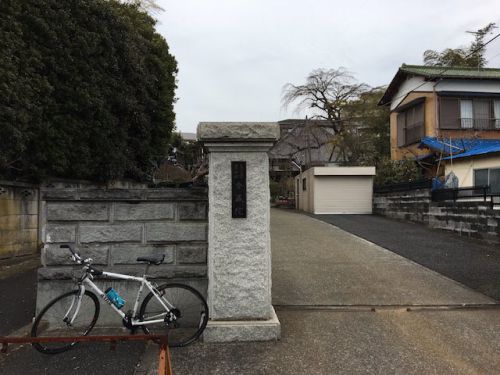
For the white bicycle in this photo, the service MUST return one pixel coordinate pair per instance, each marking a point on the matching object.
(176, 308)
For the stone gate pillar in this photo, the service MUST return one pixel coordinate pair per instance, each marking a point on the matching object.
(239, 245)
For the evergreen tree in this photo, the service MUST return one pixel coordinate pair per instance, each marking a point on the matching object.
(471, 56)
(86, 90)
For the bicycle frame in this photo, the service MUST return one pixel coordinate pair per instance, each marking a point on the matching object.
(87, 279)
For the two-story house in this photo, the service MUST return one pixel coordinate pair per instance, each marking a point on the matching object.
(306, 142)
(447, 117)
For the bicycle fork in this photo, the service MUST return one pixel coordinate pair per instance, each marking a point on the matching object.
(78, 299)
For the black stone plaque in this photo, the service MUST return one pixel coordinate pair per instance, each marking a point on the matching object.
(239, 189)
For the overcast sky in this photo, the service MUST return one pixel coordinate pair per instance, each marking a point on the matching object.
(235, 55)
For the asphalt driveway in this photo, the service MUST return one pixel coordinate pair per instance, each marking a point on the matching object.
(471, 262)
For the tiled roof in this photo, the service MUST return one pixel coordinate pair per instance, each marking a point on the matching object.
(434, 72)
(451, 72)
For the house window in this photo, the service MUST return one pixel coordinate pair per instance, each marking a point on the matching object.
(488, 177)
(304, 184)
(480, 177)
(478, 113)
(411, 125)
(474, 114)
(496, 112)
(466, 114)
(482, 115)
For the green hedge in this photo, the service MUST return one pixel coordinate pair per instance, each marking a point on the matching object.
(86, 90)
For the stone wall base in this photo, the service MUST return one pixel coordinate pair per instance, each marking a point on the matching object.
(243, 330)
(470, 218)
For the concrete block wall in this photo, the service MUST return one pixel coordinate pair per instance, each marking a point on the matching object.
(18, 219)
(473, 219)
(114, 227)
(410, 205)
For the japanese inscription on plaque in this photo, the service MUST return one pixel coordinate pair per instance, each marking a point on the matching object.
(239, 189)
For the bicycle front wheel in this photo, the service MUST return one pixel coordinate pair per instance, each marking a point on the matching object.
(186, 320)
(55, 320)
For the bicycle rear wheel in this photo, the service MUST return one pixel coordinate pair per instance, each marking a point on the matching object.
(189, 314)
(50, 321)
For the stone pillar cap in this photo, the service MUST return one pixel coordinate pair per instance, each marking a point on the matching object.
(238, 131)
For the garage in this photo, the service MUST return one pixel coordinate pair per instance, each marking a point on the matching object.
(335, 190)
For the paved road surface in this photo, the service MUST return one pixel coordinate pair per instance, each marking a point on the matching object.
(468, 261)
(317, 264)
(17, 296)
(385, 342)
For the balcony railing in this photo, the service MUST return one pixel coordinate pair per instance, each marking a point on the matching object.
(480, 123)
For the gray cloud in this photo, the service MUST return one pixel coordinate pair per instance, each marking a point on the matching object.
(235, 55)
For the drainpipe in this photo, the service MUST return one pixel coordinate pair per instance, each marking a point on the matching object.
(436, 111)
(436, 118)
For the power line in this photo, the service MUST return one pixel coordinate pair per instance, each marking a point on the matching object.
(450, 67)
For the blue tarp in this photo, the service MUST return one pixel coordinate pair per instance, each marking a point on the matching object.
(461, 148)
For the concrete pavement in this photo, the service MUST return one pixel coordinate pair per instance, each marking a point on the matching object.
(317, 267)
(315, 263)
(17, 293)
(386, 342)
(467, 260)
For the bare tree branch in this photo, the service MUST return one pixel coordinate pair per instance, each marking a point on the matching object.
(327, 91)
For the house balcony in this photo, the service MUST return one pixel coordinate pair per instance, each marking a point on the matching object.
(479, 124)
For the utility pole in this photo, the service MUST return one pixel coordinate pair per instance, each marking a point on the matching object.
(308, 143)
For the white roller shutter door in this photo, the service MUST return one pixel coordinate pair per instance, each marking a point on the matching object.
(343, 195)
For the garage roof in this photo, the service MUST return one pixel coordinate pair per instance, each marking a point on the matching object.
(344, 171)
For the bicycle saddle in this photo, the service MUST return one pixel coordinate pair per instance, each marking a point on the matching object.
(153, 259)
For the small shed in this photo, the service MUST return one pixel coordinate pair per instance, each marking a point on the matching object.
(335, 190)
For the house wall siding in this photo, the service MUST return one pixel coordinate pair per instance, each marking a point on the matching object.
(472, 219)
(470, 85)
(399, 153)
(306, 198)
(430, 91)
(464, 167)
(413, 85)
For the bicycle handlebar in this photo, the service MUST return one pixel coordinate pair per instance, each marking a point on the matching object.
(75, 254)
